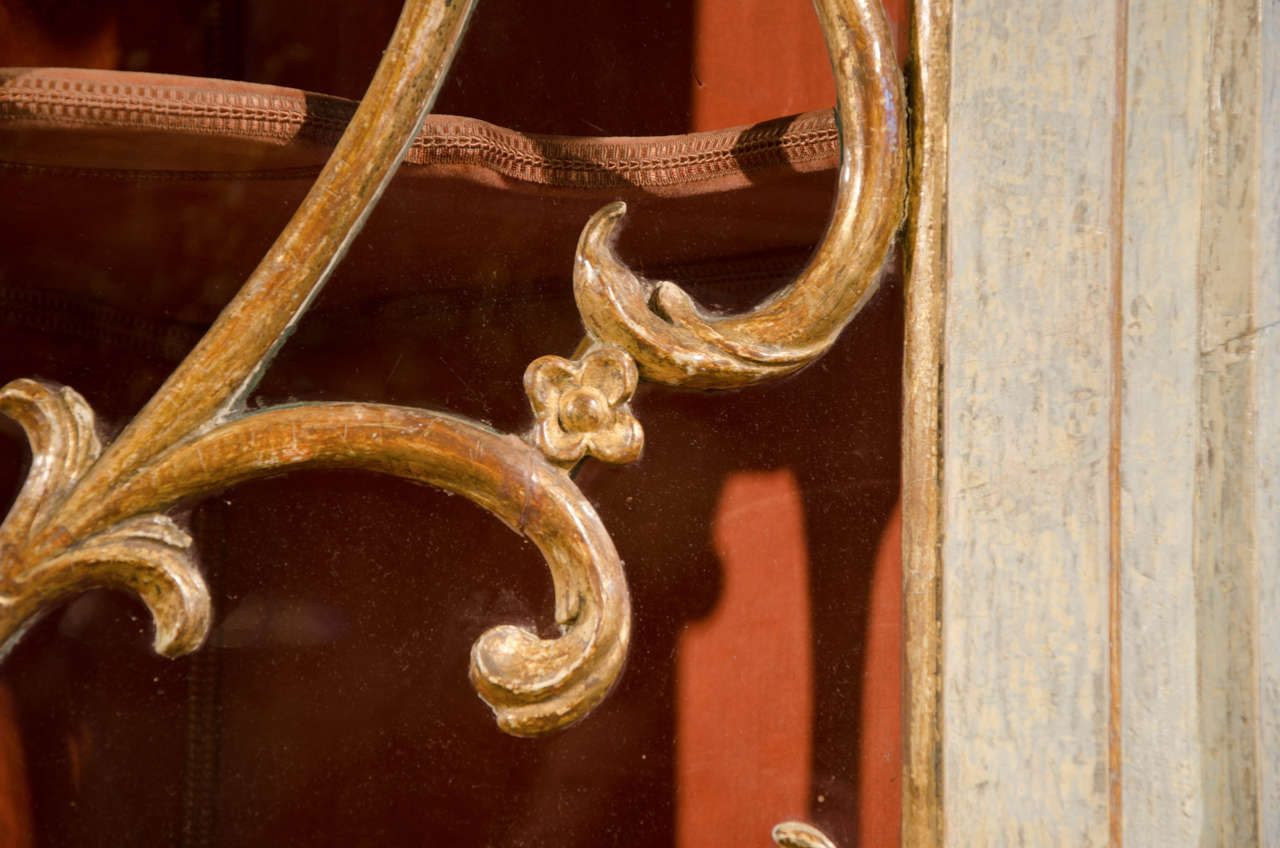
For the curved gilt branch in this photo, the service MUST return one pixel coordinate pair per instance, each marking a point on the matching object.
(84, 520)
(676, 342)
(212, 382)
(146, 554)
(533, 685)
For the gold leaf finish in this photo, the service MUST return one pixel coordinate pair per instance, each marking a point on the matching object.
(60, 535)
(212, 383)
(533, 685)
(676, 342)
(581, 407)
(84, 520)
(146, 554)
(89, 517)
(922, 504)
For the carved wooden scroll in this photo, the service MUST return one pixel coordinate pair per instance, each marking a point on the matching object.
(676, 342)
(94, 515)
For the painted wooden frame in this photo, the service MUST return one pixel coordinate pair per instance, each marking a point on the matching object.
(1090, 470)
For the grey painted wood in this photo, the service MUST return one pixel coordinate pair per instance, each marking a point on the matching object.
(1165, 99)
(1026, 425)
(1267, 427)
(1267, 500)
(1229, 561)
(1050, 227)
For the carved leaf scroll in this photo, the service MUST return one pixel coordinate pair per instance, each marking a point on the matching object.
(532, 684)
(676, 342)
(90, 517)
(146, 554)
(85, 520)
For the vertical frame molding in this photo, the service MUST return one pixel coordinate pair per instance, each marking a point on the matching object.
(1027, 424)
(1235, 555)
(1162, 204)
(1106, 668)
(1266, 424)
(929, 83)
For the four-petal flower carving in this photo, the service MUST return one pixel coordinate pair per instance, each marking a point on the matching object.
(581, 407)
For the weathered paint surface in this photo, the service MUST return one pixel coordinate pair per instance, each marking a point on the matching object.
(1026, 425)
(1229, 561)
(1267, 502)
(1165, 136)
(1267, 426)
(1112, 374)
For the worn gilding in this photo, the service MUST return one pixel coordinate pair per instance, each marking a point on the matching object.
(95, 515)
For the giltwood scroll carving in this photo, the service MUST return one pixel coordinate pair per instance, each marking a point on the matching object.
(92, 515)
(676, 342)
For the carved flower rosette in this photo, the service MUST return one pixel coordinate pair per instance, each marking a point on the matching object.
(581, 407)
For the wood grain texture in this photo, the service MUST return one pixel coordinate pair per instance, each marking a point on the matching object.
(1162, 198)
(929, 87)
(1228, 560)
(1266, 483)
(1266, 477)
(1026, 433)
(1226, 597)
(1113, 378)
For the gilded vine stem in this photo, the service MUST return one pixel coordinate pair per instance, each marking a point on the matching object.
(215, 378)
(676, 342)
(91, 515)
